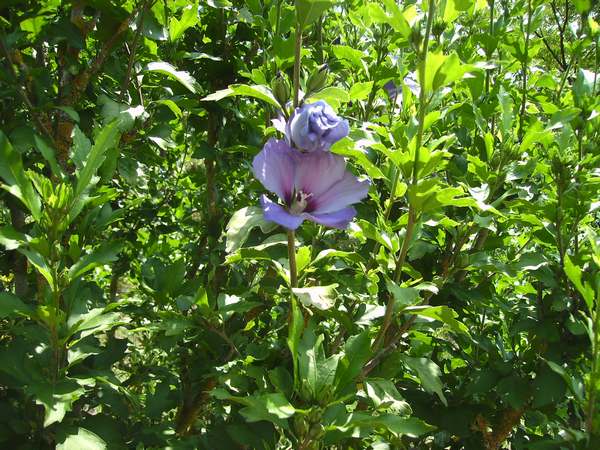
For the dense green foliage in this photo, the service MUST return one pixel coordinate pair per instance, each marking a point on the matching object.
(146, 303)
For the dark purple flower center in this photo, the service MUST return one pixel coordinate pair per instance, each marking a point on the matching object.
(300, 202)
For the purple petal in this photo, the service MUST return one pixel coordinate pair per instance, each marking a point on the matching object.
(274, 168)
(280, 124)
(344, 192)
(318, 171)
(299, 129)
(337, 219)
(340, 131)
(275, 213)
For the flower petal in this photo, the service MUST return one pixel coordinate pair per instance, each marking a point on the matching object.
(275, 213)
(274, 168)
(340, 131)
(299, 130)
(318, 171)
(344, 192)
(337, 219)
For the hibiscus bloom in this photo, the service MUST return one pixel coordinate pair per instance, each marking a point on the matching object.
(313, 186)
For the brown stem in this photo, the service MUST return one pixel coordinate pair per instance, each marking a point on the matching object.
(17, 217)
(191, 408)
(492, 440)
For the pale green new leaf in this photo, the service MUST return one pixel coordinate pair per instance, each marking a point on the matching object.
(320, 297)
(241, 223)
(82, 440)
(181, 76)
(189, 18)
(575, 275)
(257, 91)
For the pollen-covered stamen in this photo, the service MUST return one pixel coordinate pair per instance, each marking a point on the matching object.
(299, 202)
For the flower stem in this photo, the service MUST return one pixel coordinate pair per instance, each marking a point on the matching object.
(524, 73)
(412, 212)
(292, 258)
(297, 60)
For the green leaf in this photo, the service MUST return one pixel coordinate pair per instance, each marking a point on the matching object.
(442, 313)
(347, 147)
(189, 18)
(57, 399)
(352, 55)
(82, 440)
(258, 91)
(308, 11)
(12, 306)
(241, 223)
(357, 352)
(331, 253)
(274, 408)
(405, 426)
(107, 139)
(360, 90)
(574, 273)
(571, 382)
(80, 149)
(429, 373)
(104, 254)
(316, 372)
(11, 239)
(125, 114)
(40, 264)
(303, 255)
(334, 96)
(48, 154)
(17, 183)
(91, 322)
(399, 20)
(320, 297)
(295, 331)
(69, 111)
(442, 70)
(181, 76)
(404, 296)
(384, 395)
(507, 115)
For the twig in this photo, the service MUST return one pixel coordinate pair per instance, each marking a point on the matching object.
(136, 37)
(554, 55)
(41, 126)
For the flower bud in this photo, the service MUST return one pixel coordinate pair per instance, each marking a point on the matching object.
(315, 126)
(318, 78)
(416, 38)
(281, 89)
(438, 28)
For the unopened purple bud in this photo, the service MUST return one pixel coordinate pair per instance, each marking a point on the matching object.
(315, 126)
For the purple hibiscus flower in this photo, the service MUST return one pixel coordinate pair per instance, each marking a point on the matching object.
(315, 126)
(314, 186)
